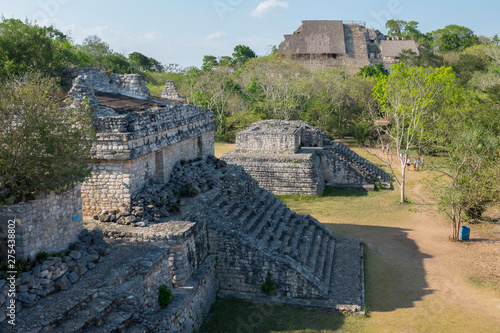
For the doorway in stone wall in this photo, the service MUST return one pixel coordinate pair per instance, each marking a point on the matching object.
(200, 146)
(159, 167)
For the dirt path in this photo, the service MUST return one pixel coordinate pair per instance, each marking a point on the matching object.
(448, 298)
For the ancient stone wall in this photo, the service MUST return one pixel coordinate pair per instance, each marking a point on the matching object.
(188, 248)
(339, 173)
(243, 268)
(356, 47)
(114, 182)
(191, 304)
(170, 91)
(144, 277)
(131, 149)
(49, 223)
(268, 142)
(299, 174)
(132, 85)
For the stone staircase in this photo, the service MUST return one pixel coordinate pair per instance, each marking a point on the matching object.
(264, 223)
(364, 167)
(356, 48)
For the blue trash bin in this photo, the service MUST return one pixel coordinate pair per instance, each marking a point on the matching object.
(464, 233)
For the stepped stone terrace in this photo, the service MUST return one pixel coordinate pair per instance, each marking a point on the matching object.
(138, 137)
(293, 157)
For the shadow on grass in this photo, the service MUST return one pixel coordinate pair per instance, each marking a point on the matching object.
(239, 316)
(343, 192)
(395, 276)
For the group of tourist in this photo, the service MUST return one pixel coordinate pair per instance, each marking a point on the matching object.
(418, 163)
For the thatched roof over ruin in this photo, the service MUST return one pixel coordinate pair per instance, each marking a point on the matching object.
(316, 37)
(393, 48)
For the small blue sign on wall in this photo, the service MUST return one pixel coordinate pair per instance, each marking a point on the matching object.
(76, 218)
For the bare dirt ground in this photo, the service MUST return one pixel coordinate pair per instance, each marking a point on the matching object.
(454, 283)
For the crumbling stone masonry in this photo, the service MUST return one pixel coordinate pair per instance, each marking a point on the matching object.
(138, 138)
(292, 157)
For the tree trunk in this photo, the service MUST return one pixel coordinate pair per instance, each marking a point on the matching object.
(403, 178)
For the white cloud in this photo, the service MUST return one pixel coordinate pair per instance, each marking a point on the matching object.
(268, 7)
(216, 35)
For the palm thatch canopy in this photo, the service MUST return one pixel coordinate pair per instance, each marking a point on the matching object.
(316, 37)
(393, 48)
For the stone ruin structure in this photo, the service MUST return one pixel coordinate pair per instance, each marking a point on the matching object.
(319, 44)
(170, 92)
(213, 230)
(138, 137)
(292, 157)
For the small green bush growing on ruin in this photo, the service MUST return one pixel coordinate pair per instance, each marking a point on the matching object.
(188, 191)
(165, 296)
(268, 286)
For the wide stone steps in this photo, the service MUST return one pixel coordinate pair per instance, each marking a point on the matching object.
(346, 286)
(92, 314)
(363, 166)
(328, 265)
(116, 321)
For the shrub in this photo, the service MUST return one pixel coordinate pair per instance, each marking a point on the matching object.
(44, 145)
(268, 286)
(165, 296)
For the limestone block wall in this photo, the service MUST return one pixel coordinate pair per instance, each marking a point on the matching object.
(339, 173)
(144, 277)
(191, 304)
(243, 268)
(114, 182)
(356, 47)
(283, 173)
(188, 248)
(49, 223)
(268, 142)
(131, 149)
(133, 135)
(170, 91)
(132, 85)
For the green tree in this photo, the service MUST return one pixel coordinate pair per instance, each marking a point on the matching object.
(225, 61)
(454, 38)
(209, 62)
(242, 54)
(425, 58)
(282, 87)
(406, 97)
(395, 27)
(373, 70)
(216, 90)
(25, 47)
(97, 49)
(44, 145)
(117, 63)
(470, 170)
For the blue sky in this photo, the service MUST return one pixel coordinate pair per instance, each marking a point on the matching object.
(182, 32)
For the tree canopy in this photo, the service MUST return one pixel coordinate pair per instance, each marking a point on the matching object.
(44, 145)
